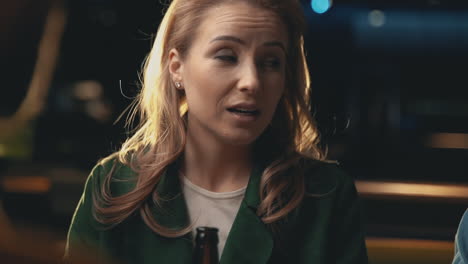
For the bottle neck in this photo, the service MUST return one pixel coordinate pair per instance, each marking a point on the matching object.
(206, 246)
(206, 253)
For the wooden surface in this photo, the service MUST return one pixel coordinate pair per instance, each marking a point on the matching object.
(409, 251)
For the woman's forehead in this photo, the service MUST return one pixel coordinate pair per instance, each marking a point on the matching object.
(242, 19)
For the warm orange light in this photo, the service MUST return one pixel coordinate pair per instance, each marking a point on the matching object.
(402, 189)
(409, 251)
(448, 140)
(26, 184)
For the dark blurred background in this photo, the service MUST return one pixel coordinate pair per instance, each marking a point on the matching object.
(389, 81)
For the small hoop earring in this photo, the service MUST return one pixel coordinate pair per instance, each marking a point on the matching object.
(178, 85)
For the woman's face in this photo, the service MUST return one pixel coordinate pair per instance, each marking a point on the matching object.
(234, 73)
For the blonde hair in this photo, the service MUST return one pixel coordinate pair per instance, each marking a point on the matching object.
(160, 137)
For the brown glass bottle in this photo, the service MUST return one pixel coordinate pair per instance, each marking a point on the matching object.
(206, 246)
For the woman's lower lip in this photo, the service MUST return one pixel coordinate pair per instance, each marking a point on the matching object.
(243, 117)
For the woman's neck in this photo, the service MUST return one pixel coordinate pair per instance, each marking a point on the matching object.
(216, 167)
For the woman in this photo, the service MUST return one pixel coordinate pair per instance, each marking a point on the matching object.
(225, 139)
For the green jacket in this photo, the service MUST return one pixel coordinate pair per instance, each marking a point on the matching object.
(325, 228)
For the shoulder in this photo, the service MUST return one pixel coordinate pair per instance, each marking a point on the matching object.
(113, 163)
(326, 178)
(462, 237)
(120, 175)
(464, 223)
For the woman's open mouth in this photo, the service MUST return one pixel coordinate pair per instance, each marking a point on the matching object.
(246, 112)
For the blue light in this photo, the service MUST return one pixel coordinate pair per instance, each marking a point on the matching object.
(320, 6)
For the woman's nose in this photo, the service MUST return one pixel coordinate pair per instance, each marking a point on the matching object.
(249, 80)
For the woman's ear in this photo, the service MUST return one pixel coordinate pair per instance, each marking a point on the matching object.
(176, 68)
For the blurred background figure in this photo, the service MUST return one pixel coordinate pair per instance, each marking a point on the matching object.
(388, 90)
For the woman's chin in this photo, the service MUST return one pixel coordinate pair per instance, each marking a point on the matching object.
(240, 139)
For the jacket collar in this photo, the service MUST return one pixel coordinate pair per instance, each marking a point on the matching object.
(249, 240)
(172, 211)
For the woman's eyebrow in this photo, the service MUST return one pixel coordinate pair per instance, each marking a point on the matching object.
(275, 44)
(229, 38)
(240, 41)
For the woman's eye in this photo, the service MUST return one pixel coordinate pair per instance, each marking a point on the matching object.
(227, 58)
(226, 55)
(272, 63)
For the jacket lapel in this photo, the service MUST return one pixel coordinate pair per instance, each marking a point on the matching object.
(249, 240)
(172, 213)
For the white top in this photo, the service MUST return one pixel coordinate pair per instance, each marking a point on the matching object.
(212, 209)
